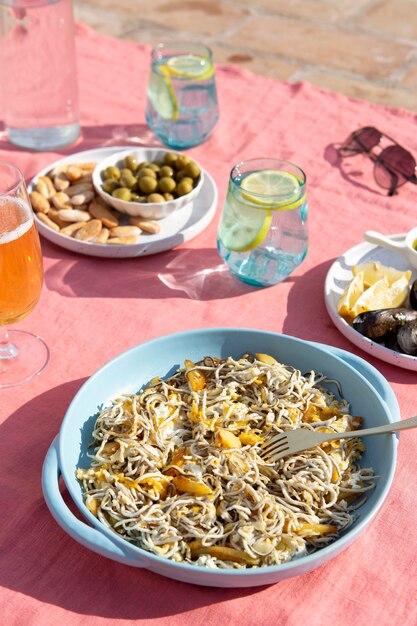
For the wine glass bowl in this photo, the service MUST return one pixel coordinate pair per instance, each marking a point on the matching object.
(22, 354)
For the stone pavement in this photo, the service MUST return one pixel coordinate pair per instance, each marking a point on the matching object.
(363, 48)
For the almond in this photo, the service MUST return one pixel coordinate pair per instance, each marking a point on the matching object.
(45, 219)
(74, 172)
(40, 204)
(45, 186)
(61, 200)
(125, 231)
(61, 182)
(53, 215)
(73, 190)
(82, 198)
(103, 236)
(73, 215)
(102, 213)
(70, 229)
(148, 226)
(90, 231)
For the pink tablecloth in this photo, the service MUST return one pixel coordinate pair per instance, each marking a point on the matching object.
(92, 309)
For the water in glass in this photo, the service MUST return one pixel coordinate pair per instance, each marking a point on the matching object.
(38, 73)
(263, 233)
(181, 105)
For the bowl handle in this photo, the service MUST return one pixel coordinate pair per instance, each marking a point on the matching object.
(82, 533)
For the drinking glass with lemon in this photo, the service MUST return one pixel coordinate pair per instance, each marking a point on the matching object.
(263, 233)
(181, 107)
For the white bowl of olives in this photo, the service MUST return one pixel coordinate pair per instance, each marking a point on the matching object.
(148, 182)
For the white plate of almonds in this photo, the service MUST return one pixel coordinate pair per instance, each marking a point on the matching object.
(70, 213)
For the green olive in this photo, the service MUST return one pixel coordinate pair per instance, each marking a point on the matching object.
(168, 196)
(166, 184)
(147, 184)
(155, 197)
(146, 171)
(143, 164)
(170, 158)
(128, 180)
(183, 188)
(192, 170)
(110, 184)
(182, 161)
(111, 172)
(122, 193)
(166, 171)
(154, 166)
(179, 175)
(187, 179)
(131, 162)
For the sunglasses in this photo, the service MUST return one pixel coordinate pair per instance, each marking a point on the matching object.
(393, 166)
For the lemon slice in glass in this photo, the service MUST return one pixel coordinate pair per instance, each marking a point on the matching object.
(190, 66)
(243, 228)
(162, 95)
(282, 188)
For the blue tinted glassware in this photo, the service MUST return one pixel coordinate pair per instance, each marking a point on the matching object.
(263, 234)
(182, 107)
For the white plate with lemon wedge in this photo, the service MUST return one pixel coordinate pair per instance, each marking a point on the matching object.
(380, 294)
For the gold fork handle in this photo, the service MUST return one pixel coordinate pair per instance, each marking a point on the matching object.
(411, 422)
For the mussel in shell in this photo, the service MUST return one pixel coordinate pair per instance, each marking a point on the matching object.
(407, 338)
(413, 295)
(376, 324)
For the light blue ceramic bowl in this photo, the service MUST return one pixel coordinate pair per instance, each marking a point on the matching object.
(367, 391)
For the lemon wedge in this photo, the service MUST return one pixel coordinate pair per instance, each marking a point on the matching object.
(243, 228)
(350, 295)
(191, 66)
(282, 188)
(162, 95)
(381, 295)
(374, 270)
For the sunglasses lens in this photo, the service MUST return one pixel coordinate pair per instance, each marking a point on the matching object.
(394, 166)
(361, 140)
(399, 159)
(368, 137)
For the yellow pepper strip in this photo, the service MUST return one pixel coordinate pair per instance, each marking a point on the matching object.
(226, 439)
(195, 377)
(182, 483)
(309, 530)
(266, 358)
(158, 485)
(222, 552)
(250, 439)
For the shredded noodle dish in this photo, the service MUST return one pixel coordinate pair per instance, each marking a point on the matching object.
(177, 468)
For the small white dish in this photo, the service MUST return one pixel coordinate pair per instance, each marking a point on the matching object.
(154, 210)
(338, 277)
(176, 229)
(405, 246)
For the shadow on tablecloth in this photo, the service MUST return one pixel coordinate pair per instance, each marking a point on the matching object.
(196, 274)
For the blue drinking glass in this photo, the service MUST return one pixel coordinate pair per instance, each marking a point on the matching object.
(182, 107)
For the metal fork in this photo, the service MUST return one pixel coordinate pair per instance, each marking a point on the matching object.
(281, 445)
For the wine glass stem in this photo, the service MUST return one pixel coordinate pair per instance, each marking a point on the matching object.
(7, 349)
